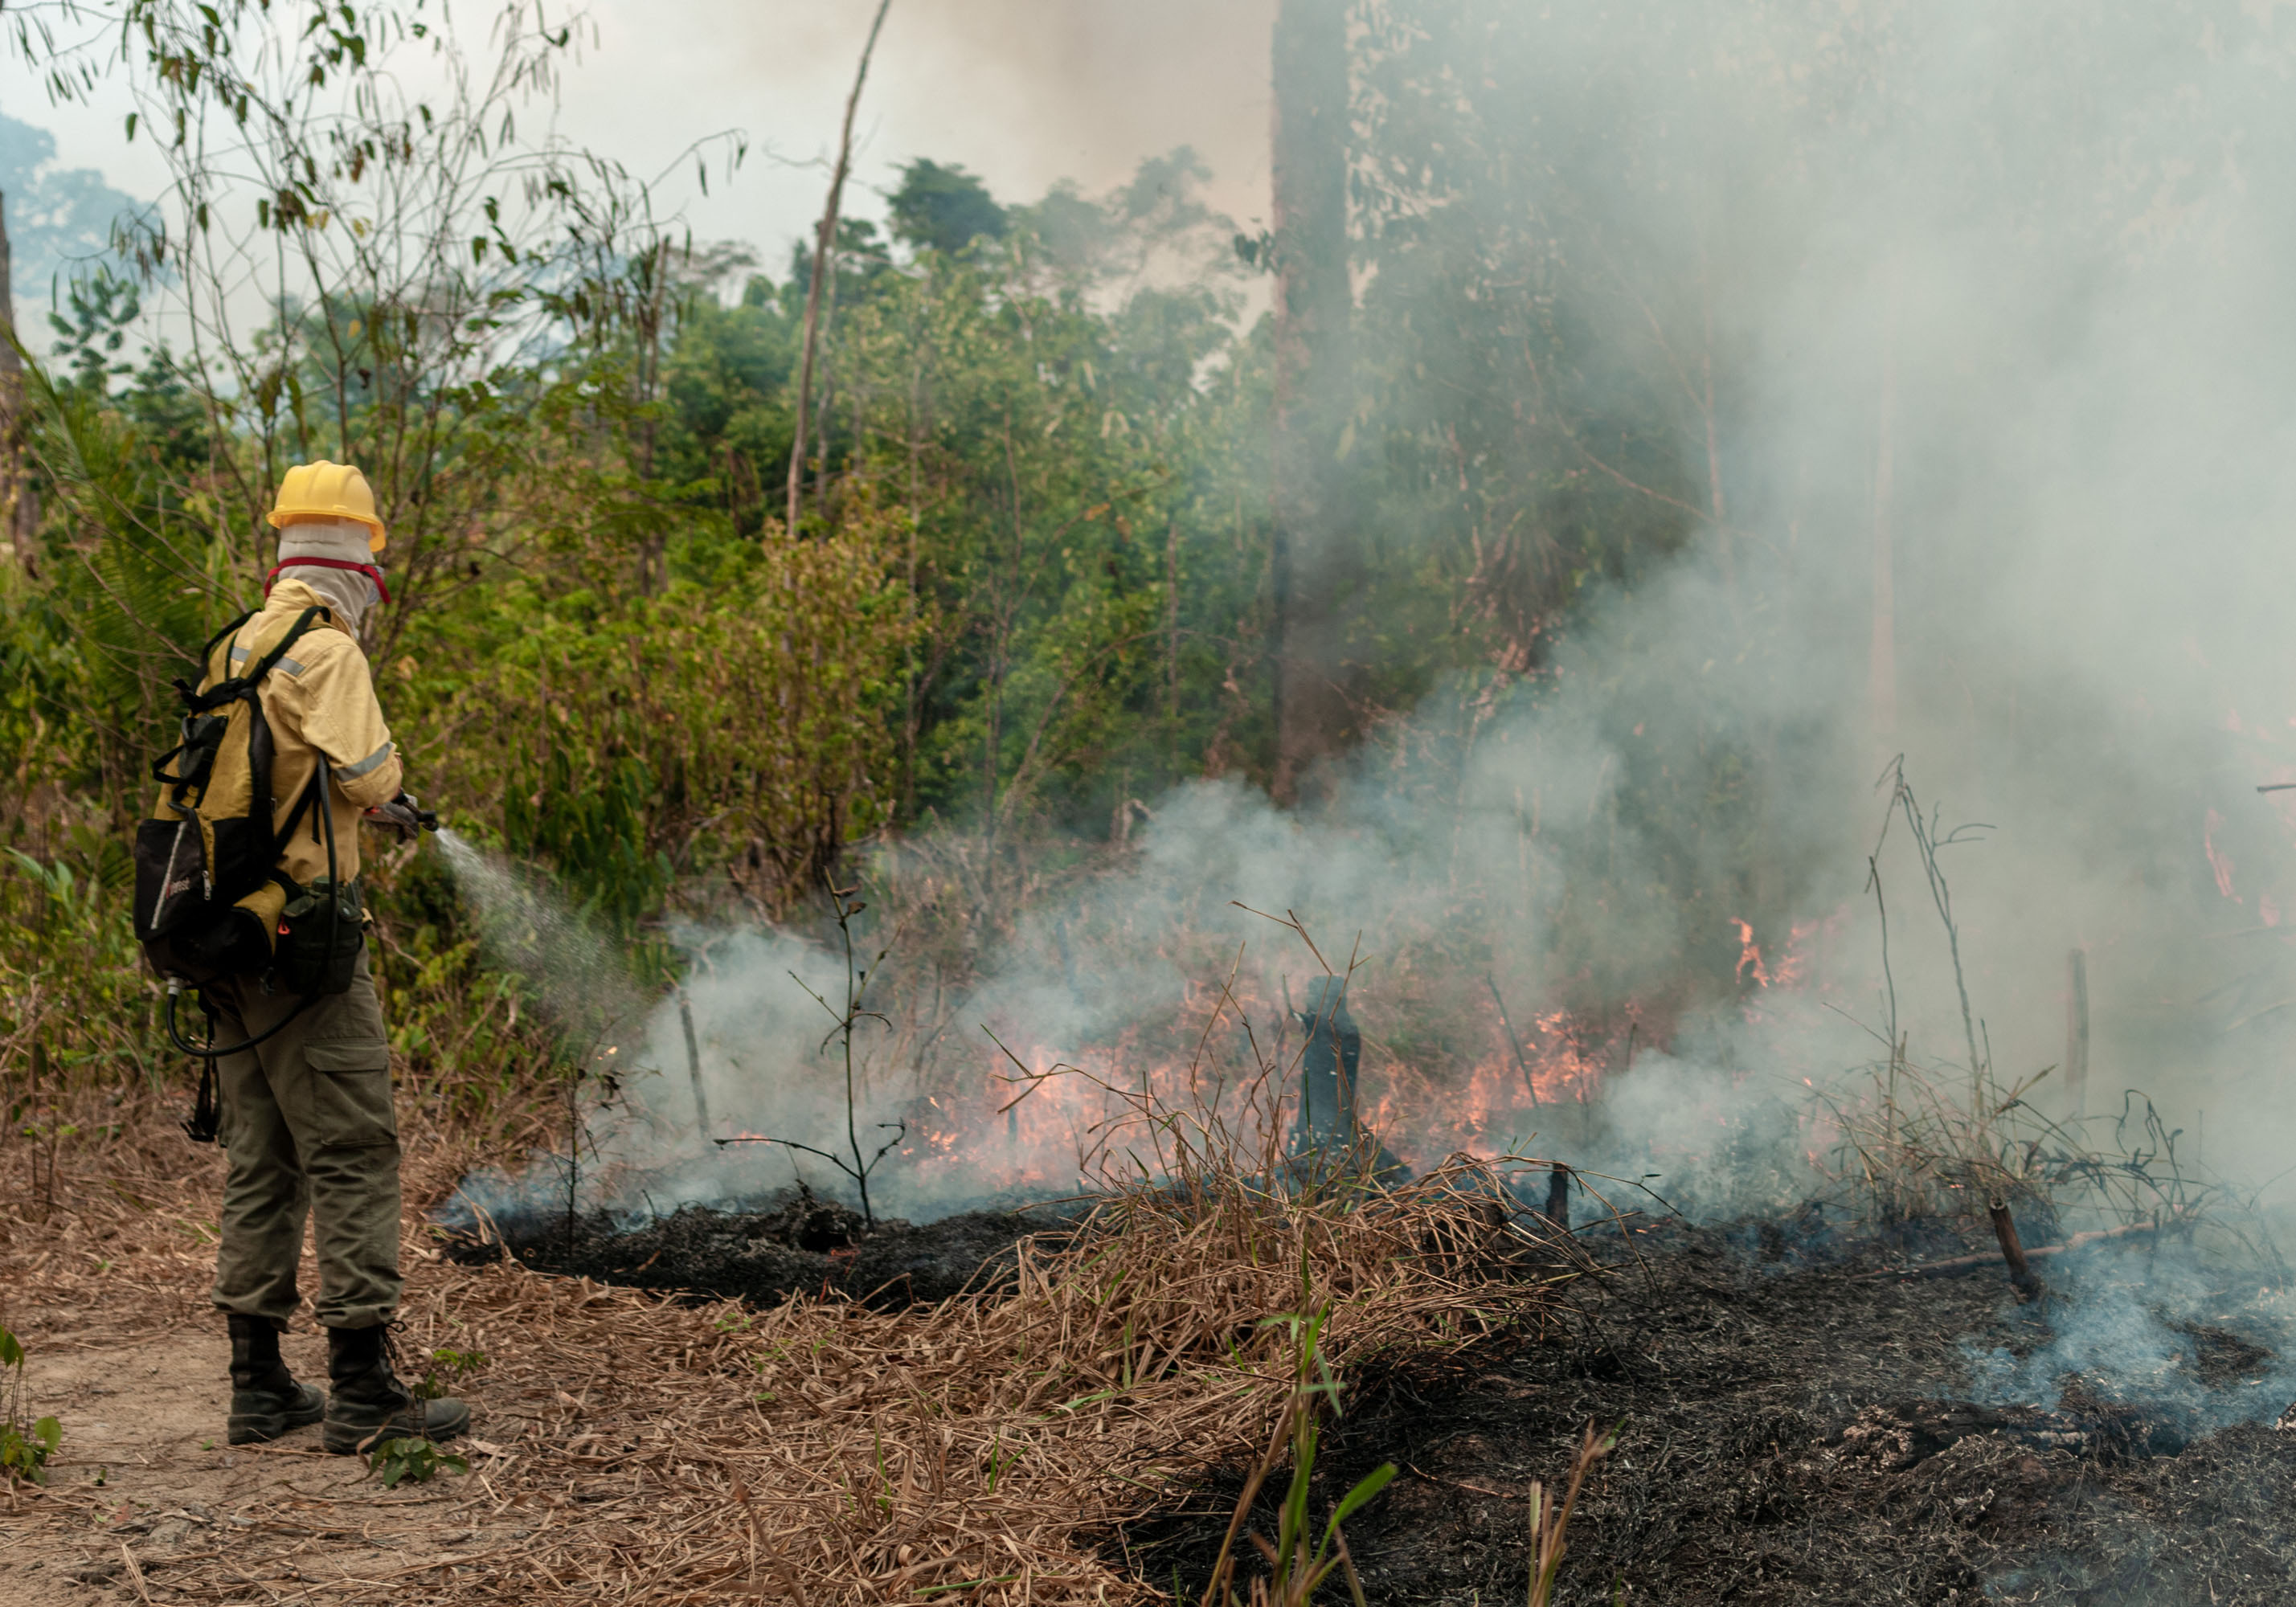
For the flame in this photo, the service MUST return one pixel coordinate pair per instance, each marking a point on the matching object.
(1065, 1111)
(1750, 954)
(1442, 1072)
(2219, 861)
(1792, 969)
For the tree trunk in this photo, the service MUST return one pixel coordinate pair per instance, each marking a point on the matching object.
(20, 505)
(1882, 671)
(1314, 567)
(2077, 1034)
(824, 246)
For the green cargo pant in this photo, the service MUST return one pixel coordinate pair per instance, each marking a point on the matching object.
(308, 1126)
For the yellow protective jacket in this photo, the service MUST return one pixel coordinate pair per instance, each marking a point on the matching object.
(320, 698)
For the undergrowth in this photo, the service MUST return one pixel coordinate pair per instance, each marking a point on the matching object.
(26, 1443)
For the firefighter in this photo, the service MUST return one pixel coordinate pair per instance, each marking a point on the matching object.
(308, 1120)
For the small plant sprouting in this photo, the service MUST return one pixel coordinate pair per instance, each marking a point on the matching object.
(25, 1447)
(417, 1459)
(856, 1012)
(1299, 1562)
(447, 1369)
(1550, 1521)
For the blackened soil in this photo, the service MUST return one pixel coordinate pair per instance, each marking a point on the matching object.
(1809, 1435)
(799, 1245)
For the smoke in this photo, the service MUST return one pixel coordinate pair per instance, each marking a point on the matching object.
(1025, 95)
(2191, 1350)
(1990, 301)
(1973, 327)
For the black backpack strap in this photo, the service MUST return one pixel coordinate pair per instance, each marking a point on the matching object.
(262, 666)
(160, 765)
(234, 689)
(287, 827)
(216, 640)
(228, 689)
(317, 779)
(197, 698)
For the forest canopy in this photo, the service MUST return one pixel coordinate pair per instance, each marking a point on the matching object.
(1037, 481)
(1099, 493)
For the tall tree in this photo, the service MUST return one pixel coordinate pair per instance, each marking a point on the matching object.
(19, 512)
(1314, 563)
(944, 208)
(824, 250)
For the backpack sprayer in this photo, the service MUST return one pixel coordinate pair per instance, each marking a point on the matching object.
(308, 963)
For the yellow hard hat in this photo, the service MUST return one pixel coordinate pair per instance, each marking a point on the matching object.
(327, 490)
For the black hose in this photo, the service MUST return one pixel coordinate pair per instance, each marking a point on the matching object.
(334, 931)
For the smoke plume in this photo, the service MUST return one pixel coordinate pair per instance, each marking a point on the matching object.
(1975, 323)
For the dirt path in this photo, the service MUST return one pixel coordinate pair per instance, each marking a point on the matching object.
(147, 1487)
(578, 1462)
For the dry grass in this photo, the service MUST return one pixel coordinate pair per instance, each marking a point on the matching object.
(640, 1450)
(1918, 1143)
(1926, 1143)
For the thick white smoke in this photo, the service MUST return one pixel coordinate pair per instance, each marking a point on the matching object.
(1993, 304)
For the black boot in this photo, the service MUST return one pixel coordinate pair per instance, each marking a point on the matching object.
(368, 1405)
(266, 1401)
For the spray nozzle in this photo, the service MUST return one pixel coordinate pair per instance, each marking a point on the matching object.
(403, 814)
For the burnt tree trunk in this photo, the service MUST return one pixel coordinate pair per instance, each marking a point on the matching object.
(1314, 567)
(2076, 1033)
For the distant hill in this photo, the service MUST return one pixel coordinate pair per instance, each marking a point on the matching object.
(59, 221)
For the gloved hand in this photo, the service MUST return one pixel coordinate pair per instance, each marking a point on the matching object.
(403, 814)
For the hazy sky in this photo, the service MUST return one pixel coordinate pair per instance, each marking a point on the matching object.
(1024, 94)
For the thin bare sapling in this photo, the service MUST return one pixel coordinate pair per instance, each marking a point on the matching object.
(856, 1011)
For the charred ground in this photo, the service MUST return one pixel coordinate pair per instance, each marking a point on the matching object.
(1816, 1433)
(794, 1244)
(1798, 1422)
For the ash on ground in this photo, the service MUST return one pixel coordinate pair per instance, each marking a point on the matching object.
(794, 1243)
(1811, 1430)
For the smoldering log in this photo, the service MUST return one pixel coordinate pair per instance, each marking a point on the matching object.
(1558, 1197)
(1960, 1265)
(2012, 1252)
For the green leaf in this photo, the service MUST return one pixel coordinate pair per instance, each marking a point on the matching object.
(1358, 1498)
(12, 1351)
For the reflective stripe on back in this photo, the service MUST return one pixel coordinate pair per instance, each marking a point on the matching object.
(293, 667)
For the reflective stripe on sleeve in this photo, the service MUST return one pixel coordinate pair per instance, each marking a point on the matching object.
(353, 772)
